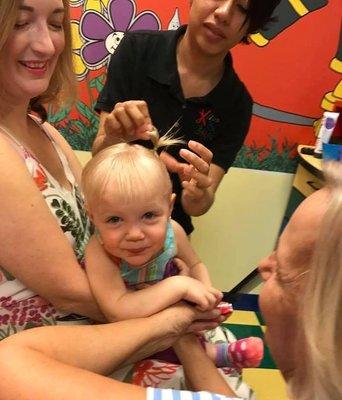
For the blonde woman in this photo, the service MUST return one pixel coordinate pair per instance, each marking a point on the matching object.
(322, 326)
(44, 228)
(301, 300)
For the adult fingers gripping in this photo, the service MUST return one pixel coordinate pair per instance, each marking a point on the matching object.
(129, 120)
(139, 113)
(124, 120)
(112, 126)
(204, 320)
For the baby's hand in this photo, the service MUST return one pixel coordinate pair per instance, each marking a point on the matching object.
(206, 298)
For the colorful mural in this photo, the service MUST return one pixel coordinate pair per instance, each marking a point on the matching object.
(293, 70)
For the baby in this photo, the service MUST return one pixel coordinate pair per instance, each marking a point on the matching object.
(140, 261)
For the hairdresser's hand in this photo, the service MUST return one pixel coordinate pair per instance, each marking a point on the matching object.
(129, 121)
(197, 179)
(198, 186)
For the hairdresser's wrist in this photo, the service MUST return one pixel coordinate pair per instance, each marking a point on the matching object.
(197, 205)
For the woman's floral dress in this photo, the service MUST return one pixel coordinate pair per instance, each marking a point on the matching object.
(20, 308)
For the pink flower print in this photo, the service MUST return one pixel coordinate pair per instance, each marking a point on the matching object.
(151, 372)
(34, 311)
(40, 179)
(102, 35)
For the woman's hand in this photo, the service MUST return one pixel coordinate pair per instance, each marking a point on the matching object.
(128, 121)
(194, 174)
(170, 324)
(198, 180)
(181, 318)
(198, 176)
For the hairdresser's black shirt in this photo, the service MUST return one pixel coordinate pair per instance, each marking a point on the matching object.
(144, 67)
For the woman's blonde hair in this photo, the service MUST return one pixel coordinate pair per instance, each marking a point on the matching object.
(62, 87)
(320, 374)
(128, 171)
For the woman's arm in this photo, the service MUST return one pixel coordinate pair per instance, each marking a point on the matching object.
(33, 246)
(118, 303)
(199, 370)
(54, 363)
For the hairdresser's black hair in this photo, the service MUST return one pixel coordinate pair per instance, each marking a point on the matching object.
(259, 15)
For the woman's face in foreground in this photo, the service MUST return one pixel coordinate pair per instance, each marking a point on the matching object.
(284, 273)
(33, 47)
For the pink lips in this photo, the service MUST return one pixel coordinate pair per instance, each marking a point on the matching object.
(37, 68)
(214, 31)
(137, 251)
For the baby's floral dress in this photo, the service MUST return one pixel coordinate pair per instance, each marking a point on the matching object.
(21, 308)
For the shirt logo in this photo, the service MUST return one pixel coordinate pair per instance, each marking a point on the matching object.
(205, 124)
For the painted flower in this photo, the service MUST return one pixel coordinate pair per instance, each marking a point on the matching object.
(102, 34)
(80, 68)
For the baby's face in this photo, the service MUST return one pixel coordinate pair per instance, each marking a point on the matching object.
(133, 231)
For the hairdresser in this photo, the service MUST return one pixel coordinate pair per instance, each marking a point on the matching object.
(184, 82)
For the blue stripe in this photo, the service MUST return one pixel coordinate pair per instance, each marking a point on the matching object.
(196, 396)
(157, 394)
(176, 395)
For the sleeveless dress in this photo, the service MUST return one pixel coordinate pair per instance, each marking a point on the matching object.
(21, 308)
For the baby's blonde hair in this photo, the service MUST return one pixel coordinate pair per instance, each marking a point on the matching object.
(129, 171)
